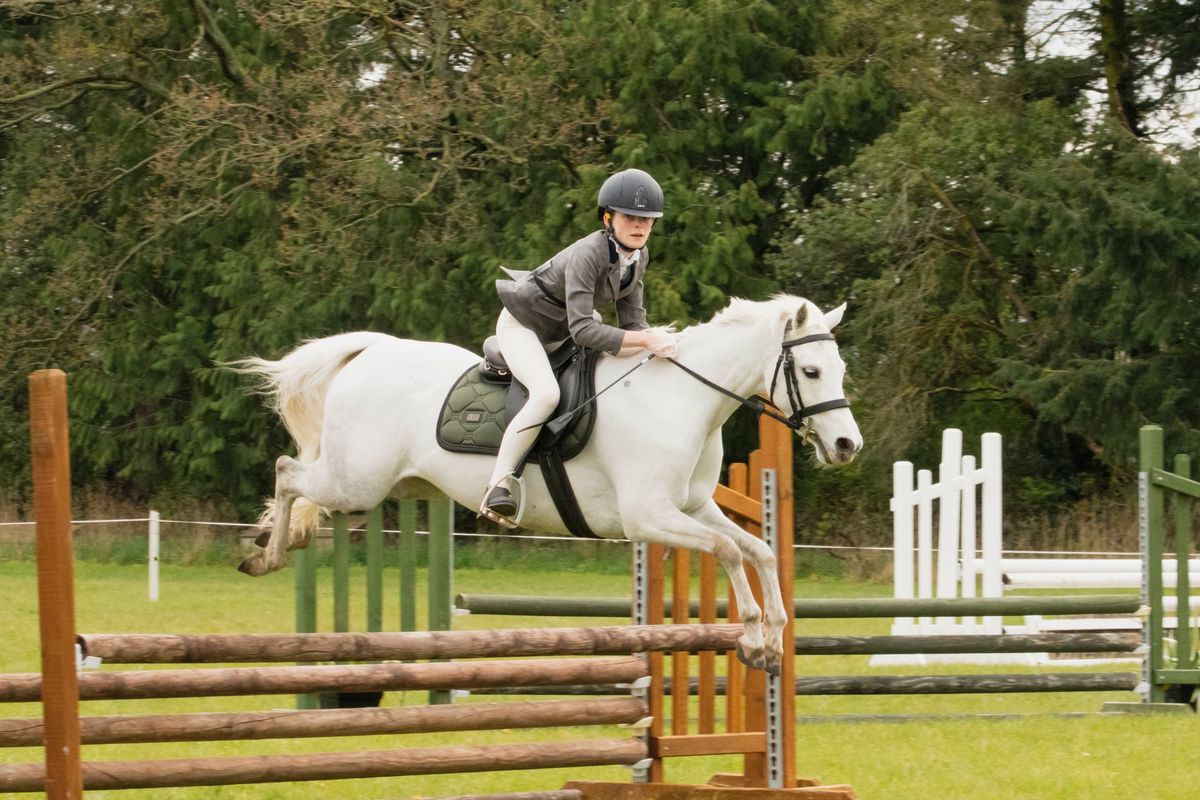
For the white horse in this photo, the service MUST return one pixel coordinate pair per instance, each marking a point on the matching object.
(363, 408)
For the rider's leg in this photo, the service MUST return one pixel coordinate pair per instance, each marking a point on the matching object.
(526, 359)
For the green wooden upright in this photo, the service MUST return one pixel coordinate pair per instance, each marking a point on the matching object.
(408, 565)
(305, 562)
(1154, 484)
(440, 574)
(375, 569)
(1185, 658)
(341, 573)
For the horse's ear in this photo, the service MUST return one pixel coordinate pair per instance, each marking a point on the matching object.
(801, 316)
(832, 318)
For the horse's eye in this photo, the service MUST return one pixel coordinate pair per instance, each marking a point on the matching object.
(812, 373)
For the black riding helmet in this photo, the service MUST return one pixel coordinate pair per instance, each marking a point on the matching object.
(632, 191)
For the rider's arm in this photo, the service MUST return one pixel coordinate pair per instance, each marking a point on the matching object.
(581, 275)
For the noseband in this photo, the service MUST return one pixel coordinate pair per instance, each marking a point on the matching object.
(786, 363)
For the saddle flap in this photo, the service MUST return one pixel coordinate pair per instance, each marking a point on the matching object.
(483, 400)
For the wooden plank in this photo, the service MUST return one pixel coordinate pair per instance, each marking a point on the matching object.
(735, 707)
(446, 759)
(235, 681)
(240, 726)
(681, 574)
(710, 744)
(755, 681)
(733, 502)
(48, 434)
(598, 790)
(654, 611)
(708, 659)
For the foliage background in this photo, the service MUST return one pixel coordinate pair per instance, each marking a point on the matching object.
(1013, 222)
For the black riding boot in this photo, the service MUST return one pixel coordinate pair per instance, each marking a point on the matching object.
(500, 502)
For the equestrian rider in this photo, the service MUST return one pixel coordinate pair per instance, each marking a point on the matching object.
(559, 301)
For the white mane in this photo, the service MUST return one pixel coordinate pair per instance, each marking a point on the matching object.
(773, 312)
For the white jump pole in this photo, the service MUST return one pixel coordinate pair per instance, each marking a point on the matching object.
(992, 513)
(949, 541)
(924, 537)
(903, 578)
(153, 560)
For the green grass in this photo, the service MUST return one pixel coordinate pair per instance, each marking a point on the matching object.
(1038, 757)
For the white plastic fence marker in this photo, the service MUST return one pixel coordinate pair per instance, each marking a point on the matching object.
(902, 534)
(924, 537)
(948, 517)
(154, 546)
(992, 525)
(970, 540)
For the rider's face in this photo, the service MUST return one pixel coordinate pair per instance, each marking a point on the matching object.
(631, 231)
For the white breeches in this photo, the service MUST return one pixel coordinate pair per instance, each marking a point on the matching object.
(527, 361)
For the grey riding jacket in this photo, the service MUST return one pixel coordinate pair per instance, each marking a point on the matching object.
(557, 299)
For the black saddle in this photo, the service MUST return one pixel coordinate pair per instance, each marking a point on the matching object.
(485, 398)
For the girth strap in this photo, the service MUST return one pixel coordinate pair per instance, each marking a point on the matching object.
(555, 474)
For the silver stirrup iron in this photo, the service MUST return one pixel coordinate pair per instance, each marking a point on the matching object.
(517, 487)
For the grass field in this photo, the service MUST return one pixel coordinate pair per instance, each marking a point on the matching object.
(1099, 758)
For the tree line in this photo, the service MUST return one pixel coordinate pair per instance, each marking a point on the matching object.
(1013, 221)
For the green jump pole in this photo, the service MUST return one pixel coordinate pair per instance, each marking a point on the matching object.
(375, 569)
(1183, 541)
(408, 565)
(440, 571)
(810, 608)
(341, 573)
(1150, 502)
(306, 604)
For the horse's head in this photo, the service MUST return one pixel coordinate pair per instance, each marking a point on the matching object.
(806, 383)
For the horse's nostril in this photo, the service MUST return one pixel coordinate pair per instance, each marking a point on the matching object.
(845, 445)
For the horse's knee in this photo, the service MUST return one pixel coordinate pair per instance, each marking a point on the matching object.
(727, 553)
(761, 555)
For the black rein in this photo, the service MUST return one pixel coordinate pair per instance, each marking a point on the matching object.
(787, 364)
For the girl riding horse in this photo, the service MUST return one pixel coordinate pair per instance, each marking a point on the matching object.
(559, 301)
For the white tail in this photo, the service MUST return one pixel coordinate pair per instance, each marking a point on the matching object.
(296, 385)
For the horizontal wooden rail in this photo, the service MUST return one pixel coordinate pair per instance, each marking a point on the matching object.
(216, 682)
(969, 643)
(884, 684)
(237, 726)
(967, 684)
(556, 794)
(99, 775)
(811, 608)
(221, 648)
(707, 744)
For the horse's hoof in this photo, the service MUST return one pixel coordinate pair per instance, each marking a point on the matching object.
(744, 656)
(772, 665)
(251, 567)
(262, 539)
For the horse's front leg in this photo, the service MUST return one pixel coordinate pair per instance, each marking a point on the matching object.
(758, 553)
(666, 525)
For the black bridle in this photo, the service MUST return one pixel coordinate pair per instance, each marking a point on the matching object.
(787, 364)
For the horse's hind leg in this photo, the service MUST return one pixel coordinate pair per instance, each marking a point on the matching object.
(272, 554)
(669, 526)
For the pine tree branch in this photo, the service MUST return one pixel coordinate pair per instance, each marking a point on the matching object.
(109, 281)
(220, 44)
(111, 83)
(37, 111)
(968, 226)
